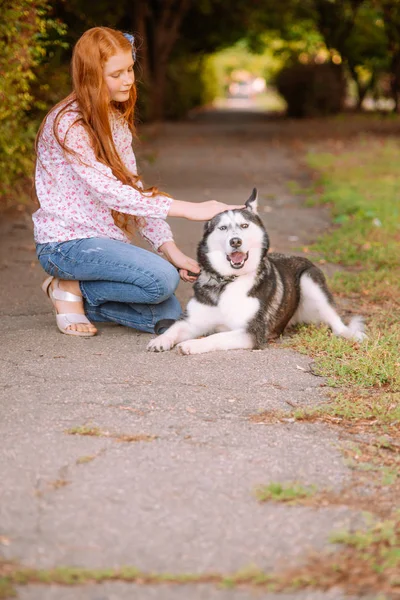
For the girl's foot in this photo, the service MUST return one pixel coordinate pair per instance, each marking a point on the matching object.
(68, 303)
(72, 307)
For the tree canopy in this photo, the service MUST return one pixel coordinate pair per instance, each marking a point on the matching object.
(363, 34)
(173, 36)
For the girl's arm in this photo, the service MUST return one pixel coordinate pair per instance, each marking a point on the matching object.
(184, 263)
(202, 211)
(156, 232)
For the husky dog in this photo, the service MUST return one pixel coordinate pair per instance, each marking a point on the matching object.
(244, 295)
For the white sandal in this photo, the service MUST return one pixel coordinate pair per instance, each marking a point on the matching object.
(67, 319)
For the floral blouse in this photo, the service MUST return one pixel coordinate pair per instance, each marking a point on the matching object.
(77, 193)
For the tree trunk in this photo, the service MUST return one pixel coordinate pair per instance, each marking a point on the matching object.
(391, 19)
(395, 81)
(157, 25)
(139, 17)
(157, 96)
(362, 89)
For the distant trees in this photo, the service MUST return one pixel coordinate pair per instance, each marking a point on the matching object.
(173, 37)
(166, 30)
(365, 34)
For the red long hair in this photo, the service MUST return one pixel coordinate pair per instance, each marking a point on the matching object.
(90, 91)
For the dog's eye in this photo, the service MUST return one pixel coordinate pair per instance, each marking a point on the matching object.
(244, 225)
(222, 228)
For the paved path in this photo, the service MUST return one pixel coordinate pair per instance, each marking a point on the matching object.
(183, 500)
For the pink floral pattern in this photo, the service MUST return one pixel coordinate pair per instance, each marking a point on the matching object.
(77, 192)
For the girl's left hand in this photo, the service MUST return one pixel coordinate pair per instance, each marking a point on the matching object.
(181, 261)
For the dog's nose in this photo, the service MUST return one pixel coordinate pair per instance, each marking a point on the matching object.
(235, 242)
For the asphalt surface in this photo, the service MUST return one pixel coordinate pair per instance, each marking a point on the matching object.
(182, 500)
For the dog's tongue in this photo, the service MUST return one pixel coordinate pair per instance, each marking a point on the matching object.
(237, 257)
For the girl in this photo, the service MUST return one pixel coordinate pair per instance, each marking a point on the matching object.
(91, 199)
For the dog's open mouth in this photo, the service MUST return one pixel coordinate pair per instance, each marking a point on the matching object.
(237, 259)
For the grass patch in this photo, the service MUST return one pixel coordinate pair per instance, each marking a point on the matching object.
(372, 287)
(362, 187)
(381, 458)
(358, 412)
(374, 485)
(378, 547)
(373, 364)
(283, 492)
(82, 460)
(369, 562)
(377, 410)
(83, 430)
(119, 437)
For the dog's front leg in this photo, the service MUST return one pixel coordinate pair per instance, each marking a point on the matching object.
(227, 340)
(178, 332)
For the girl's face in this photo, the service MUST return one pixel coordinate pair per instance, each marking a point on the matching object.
(119, 76)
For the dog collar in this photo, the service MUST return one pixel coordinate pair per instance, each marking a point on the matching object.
(220, 279)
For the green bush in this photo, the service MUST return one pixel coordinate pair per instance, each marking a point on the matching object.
(312, 90)
(191, 82)
(25, 28)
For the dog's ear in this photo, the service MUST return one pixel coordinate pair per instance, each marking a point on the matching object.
(207, 226)
(252, 204)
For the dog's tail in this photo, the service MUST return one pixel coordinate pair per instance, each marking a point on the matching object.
(355, 330)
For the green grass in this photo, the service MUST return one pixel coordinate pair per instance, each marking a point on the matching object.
(373, 286)
(279, 492)
(12, 575)
(382, 408)
(83, 430)
(378, 546)
(362, 187)
(370, 557)
(374, 363)
(358, 411)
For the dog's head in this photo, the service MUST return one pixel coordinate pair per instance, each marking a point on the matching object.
(234, 241)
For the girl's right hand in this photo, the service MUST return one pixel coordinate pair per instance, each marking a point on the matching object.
(202, 211)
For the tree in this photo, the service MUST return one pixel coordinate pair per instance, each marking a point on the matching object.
(25, 30)
(157, 24)
(352, 27)
(390, 12)
(165, 30)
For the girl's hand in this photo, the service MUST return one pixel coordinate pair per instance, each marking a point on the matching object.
(184, 275)
(202, 211)
(181, 261)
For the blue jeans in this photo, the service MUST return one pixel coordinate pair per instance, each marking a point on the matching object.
(119, 282)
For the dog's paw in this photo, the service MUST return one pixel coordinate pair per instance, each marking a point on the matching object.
(161, 344)
(360, 336)
(184, 348)
(191, 347)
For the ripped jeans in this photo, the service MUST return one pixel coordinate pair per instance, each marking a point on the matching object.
(119, 282)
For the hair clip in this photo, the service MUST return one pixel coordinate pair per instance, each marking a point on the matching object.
(131, 40)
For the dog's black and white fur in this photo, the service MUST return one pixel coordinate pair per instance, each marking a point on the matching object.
(244, 295)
